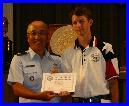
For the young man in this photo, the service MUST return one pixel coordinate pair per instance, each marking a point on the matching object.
(95, 65)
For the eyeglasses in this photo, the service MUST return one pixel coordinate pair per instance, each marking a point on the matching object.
(38, 32)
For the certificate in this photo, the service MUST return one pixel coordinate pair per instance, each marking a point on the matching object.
(59, 82)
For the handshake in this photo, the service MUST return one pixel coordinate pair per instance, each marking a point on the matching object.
(48, 95)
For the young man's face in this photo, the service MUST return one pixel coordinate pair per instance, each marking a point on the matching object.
(81, 24)
(37, 37)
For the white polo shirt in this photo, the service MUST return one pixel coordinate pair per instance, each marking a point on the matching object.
(91, 68)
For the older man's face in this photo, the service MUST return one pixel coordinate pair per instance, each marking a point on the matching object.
(37, 35)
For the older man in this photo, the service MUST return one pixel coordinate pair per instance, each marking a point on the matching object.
(26, 70)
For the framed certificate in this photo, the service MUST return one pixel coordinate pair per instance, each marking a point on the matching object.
(59, 82)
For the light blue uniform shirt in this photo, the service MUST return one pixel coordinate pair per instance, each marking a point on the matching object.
(28, 70)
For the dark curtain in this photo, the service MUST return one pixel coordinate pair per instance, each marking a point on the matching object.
(109, 21)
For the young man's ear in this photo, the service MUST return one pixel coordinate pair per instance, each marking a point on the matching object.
(91, 22)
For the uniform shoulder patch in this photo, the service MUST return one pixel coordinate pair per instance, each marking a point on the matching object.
(22, 53)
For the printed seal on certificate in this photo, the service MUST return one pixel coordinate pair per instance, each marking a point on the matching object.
(63, 38)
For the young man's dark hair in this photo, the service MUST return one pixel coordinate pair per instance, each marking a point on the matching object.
(81, 10)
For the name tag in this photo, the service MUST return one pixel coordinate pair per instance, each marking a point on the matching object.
(30, 66)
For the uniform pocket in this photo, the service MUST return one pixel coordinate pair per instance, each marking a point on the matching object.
(30, 73)
(31, 76)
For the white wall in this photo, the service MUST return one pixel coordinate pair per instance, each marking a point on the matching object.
(8, 12)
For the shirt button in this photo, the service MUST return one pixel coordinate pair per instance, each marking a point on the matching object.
(84, 55)
(84, 59)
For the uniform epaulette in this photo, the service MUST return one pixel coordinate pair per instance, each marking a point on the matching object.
(22, 53)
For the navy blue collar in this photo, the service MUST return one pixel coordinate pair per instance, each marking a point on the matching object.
(78, 45)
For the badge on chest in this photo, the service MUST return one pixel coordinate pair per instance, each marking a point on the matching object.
(95, 57)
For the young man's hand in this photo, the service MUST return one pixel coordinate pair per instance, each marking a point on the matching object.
(64, 93)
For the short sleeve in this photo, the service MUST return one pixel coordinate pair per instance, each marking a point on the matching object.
(66, 65)
(15, 71)
(112, 70)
